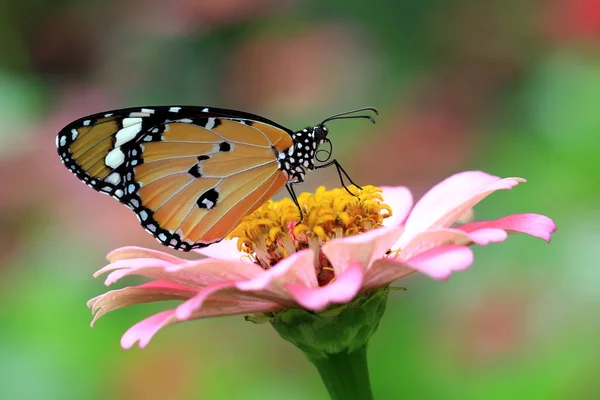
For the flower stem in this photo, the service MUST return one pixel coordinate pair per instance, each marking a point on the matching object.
(346, 375)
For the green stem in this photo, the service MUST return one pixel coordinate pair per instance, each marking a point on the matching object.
(346, 375)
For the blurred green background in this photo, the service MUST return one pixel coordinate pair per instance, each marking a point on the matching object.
(509, 87)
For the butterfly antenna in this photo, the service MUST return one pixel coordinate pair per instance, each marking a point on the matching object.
(346, 115)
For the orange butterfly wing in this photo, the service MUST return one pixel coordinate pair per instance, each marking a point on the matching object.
(190, 174)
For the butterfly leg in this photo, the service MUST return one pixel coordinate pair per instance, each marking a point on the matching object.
(292, 193)
(341, 173)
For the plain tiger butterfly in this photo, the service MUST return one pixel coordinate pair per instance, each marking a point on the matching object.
(191, 174)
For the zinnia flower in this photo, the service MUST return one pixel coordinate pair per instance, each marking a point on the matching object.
(346, 251)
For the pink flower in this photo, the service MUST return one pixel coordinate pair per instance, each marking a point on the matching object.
(344, 247)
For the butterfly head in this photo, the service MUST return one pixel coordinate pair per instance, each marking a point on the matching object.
(306, 149)
(319, 133)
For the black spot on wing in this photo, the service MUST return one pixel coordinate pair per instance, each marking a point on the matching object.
(203, 157)
(224, 146)
(208, 199)
(195, 171)
(200, 121)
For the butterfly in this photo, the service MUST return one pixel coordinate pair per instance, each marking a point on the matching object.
(190, 174)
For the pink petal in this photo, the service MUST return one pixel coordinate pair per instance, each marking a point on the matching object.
(123, 268)
(433, 238)
(210, 270)
(400, 199)
(363, 249)
(165, 285)
(223, 294)
(532, 224)
(439, 263)
(226, 307)
(132, 252)
(447, 201)
(299, 268)
(194, 274)
(483, 237)
(341, 290)
(144, 330)
(145, 293)
(185, 310)
(385, 271)
(224, 250)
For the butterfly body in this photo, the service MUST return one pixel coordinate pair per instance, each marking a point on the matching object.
(190, 174)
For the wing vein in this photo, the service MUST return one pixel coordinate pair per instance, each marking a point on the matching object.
(94, 145)
(243, 198)
(173, 195)
(178, 157)
(224, 140)
(262, 133)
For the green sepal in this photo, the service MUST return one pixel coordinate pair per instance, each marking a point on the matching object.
(259, 318)
(343, 328)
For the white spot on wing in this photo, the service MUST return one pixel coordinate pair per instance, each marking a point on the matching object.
(210, 123)
(143, 215)
(108, 115)
(114, 158)
(205, 110)
(131, 121)
(148, 110)
(162, 237)
(74, 133)
(185, 120)
(128, 133)
(209, 204)
(119, 193)
(174, 109)
(63, 140)
(86, 122)
(113, 178)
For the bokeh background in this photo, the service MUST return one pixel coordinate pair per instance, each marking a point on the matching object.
(509, 87)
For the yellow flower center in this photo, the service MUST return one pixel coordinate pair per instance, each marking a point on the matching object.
(275, 230)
